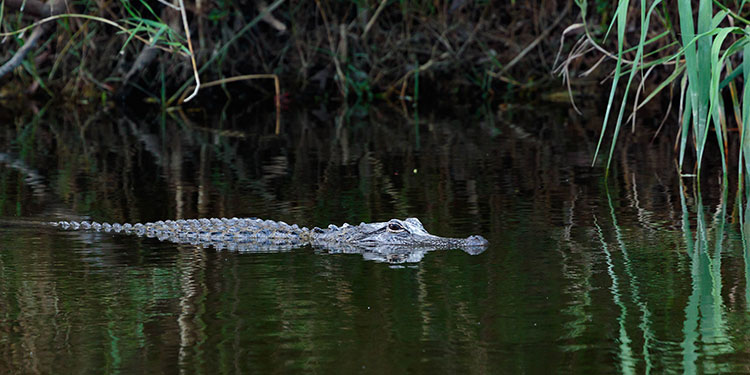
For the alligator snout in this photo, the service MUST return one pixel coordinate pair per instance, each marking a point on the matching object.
(476, 240)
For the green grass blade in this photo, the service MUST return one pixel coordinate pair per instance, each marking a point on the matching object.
(686, 120)
(685, 12)
(621, 16)
(645, 21)
(135, 31)
(715, 104)
(679, 70)
(703, 83)
(744, 127)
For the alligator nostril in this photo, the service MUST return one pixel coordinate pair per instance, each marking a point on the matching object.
(476, 240)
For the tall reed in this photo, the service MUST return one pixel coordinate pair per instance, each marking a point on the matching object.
(702, 59)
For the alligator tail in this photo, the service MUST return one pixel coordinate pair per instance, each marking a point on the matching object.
(99, 227)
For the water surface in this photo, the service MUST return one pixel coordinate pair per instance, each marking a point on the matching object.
(637, 273)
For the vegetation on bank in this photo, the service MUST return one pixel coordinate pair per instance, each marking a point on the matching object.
(359, 51)
(697, 55)
(322, 50)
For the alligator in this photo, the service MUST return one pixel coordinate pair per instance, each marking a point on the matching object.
(392, 241)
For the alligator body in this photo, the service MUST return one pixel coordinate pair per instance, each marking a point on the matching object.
(393, 241)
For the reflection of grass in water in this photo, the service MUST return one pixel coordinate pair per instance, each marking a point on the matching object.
(645, 325)
(580, 284)
(4, 187)
(627, 361)
(86, 299)
(745, 233)
(705, 340)
(689, 330)
(704, 323)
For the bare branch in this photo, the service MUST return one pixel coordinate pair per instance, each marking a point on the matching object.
(39, 9)
(17, 59)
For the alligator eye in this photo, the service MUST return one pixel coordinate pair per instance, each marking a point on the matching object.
(395, 227)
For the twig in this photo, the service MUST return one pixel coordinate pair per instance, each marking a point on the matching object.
(336, 63)
(269, 18)
(89, 17)
(534, 43)
(52, 8)
(175, 7)
(641, 88)
(562, 69)
(20, 55)
(144, 59)
(192, 53)
(223, 48)
(277, 87)
(374, 17)
(406, 76)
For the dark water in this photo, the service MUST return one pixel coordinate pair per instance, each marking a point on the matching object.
(634, 274)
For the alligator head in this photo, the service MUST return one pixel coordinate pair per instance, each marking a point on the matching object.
(394, 234)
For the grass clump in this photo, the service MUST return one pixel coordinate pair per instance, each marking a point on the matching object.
(704, 54)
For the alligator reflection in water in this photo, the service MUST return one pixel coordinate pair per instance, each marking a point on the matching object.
(393, 241)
